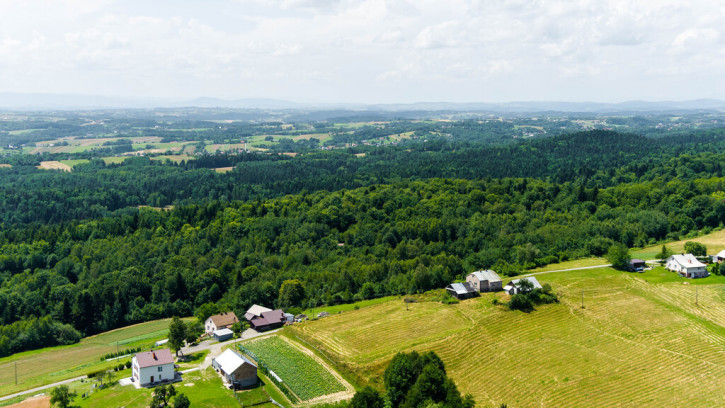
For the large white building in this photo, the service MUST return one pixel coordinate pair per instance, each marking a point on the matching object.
(687, 265)
(153, 366)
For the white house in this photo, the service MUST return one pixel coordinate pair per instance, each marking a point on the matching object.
(153, 366)
(484, 281)
(719, 257)
(687, 265)
(512, 287)
(220, 321)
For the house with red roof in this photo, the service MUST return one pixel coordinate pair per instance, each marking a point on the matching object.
(150, 367)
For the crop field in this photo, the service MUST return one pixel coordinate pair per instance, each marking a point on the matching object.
(177, 158)
(6, 166)
(54, 165)
(300, 372)
(114, 160)
(640, 340)
(54, 364)
(73, 163)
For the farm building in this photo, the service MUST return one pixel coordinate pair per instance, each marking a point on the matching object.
(686, 265)
(236, 369)
(268, 320)
(512, 287)
(719, 257)
(461, 290)
(255, 311)
(222, 334)
(150, 367)
(485, 281)
(220, 321)
(635, 264)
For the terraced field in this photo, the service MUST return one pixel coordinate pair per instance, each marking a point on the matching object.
(634, 344)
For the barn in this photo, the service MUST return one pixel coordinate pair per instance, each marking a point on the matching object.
(236, 370)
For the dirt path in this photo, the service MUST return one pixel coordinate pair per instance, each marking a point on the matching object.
(42, 401)
(44, 387)
(329, 398)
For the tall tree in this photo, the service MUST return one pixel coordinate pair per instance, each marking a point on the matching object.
(62, 396)
(292, 293)
(177, 334)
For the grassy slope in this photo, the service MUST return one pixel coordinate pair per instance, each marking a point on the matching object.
(714, 241)
(54, 364)
(640, 341)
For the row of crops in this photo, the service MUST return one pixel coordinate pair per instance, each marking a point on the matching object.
(302, 374)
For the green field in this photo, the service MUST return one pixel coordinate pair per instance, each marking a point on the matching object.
(73, 163)
(49, 365)
(640, 341)
(300, 372)
(115, 160)
(204, 389)
(715, 242)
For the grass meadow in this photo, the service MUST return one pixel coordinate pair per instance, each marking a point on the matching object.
(640, 340)
(49, 365)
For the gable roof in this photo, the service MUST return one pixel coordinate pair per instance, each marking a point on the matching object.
(487, 275)
(531, 279)
(229, 361)
(224, 319)
(461, 288)
(721, 254)
(688, 261)
(255, 311)
(154, 358)
(270, 317)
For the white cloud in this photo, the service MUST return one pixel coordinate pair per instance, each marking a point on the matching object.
(362, 50)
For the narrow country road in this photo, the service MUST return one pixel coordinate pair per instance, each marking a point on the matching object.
(214, 350)
(570, 269)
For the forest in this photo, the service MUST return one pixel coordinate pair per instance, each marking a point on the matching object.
(81, 252)
(395, 236)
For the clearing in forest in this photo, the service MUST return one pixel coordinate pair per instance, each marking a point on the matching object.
(54, 165)
(635, 343)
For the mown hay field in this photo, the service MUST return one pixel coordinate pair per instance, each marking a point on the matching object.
(634, 343)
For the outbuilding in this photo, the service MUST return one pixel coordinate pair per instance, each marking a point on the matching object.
(236, 369)
(223, 334)
(514, 286)
(461, 290)
(273, 319)
(636, 264)
(150, 367)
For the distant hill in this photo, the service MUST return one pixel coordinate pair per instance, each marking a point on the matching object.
(46, 101)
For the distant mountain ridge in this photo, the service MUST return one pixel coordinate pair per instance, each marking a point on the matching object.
(43, 101)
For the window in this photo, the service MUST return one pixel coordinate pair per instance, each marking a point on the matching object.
(160, 368)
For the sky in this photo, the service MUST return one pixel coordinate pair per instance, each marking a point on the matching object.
(366, 51)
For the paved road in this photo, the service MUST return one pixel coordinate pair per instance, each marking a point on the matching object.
(44, 387)
(215, 350)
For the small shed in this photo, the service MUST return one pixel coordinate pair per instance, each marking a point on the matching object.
(222, 334)
(461, 290)
(236, 369)
(289, 317)
(635, 264)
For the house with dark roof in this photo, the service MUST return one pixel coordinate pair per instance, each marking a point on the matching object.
(485, 281)
(256, 311)
(150, 367)
(236, 369)
(220, 321)
(273, 319)
(461, 290)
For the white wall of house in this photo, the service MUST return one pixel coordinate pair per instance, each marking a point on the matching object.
(209, 325)
(159, 373)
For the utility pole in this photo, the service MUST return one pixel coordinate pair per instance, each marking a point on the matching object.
(16, 373)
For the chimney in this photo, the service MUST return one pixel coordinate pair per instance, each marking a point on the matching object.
(154, 354)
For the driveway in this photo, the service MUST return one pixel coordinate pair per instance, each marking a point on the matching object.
(215, 349)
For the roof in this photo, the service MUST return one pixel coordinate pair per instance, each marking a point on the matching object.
(224, 319)
(255, 311)
(636, 261)
(270, 317)
(154, 358)
(487, 275)
(721, 254)
(461, 288)
(229, 361)
(688, 261)
(531, 279)
(223, 332)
